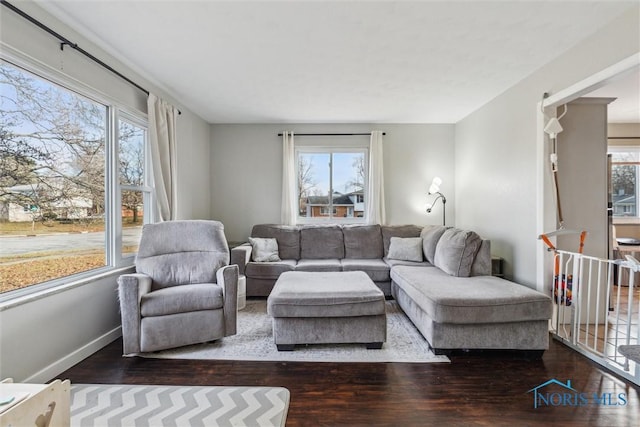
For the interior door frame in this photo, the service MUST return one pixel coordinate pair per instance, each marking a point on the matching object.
(545, 203)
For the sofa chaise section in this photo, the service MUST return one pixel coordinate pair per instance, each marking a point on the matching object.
(476, 312)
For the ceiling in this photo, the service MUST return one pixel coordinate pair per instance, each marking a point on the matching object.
(332, 62)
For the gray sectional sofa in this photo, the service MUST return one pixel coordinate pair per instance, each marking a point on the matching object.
(444, 285)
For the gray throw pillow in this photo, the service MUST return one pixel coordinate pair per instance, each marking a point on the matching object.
(264, 250)
(405, 249)
(430, 236)
(456, 251)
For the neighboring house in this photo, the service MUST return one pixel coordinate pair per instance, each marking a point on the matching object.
(19, 204)
(344, 205)
(624, 205)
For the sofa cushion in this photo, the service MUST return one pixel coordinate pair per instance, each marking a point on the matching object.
(470, 300)
(269, 270)
(319, 265)
(393, 262)
(406, 249)
(389, 231)
(456, 251)
(181, 299)
(376, 269)
(264, 249)
(321, 242)
(430, 236)
(287, 236)
(349, 294)
(362, 241)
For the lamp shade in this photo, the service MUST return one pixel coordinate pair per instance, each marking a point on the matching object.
(553, 127)
(435, 185)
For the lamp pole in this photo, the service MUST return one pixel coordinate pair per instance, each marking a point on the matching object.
(444, 205)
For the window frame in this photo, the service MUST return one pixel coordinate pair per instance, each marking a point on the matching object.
(147, 189)
(114, 260)
(331, 148)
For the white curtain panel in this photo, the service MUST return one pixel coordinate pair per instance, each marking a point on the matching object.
(162, 141)
(375, 213)
(289, 196)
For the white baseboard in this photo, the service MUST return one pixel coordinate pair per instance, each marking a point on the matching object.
(75, 357)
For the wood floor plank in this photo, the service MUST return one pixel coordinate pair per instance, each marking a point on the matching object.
(477, 388)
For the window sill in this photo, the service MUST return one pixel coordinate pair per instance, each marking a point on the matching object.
(308, 221)
(46, 290)
(625, 220)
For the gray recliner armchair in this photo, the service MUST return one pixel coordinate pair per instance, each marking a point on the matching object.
(183, 292)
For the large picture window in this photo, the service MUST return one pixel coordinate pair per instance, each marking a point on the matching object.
(331, 184)
(61, 165)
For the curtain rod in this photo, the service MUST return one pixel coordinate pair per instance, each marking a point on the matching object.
(66, 42)
(332, 134)
(623, 137)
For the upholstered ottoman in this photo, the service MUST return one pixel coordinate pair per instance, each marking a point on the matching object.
(328, 307)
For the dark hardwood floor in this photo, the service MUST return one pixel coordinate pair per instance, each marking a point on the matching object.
(481, 388)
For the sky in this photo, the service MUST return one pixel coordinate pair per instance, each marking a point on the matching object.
(343, 170)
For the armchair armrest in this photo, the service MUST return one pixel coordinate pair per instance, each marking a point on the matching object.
(131, 288)
(227, 278)
(240, 256)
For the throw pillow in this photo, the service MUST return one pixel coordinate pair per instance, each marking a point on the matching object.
(405, 249)
(264, 250)
(456, 251)
(430, 236)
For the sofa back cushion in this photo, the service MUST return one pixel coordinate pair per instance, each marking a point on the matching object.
(321, 242)
(456, 251)
(287, 236)
(362, 241)
(182, 252)
(430, 236)
(389, 231)
(482, 263)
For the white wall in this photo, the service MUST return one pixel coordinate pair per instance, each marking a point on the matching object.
(495, 148)
(246, 171)
(41, 337)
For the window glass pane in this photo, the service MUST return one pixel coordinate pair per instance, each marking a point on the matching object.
(624, 189)
(131, 163)
(313, 184)
(52, 181)
(131, 154)
(132, 220)
(348, 184)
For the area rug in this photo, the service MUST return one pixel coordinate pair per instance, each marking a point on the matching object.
(254, 341)
(94, 405)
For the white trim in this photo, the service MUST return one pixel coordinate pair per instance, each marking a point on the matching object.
(76, 356)
(596, 81)
(35, 292)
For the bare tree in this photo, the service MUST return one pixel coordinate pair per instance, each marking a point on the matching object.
(52, 145)
(131, 166)
(357, 182)
(306, 181)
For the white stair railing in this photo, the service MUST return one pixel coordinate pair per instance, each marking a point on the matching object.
(596, 308)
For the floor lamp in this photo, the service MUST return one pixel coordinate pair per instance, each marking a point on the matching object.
(435, 189)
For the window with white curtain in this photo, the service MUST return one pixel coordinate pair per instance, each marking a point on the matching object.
(74, 186)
